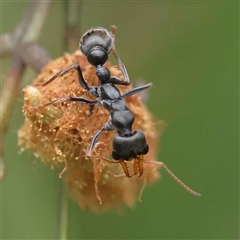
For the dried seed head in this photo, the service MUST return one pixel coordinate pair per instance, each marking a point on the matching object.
(61, 132)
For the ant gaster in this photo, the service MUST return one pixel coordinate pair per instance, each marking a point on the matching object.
(96, 44)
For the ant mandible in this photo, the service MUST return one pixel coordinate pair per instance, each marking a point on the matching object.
(127, 145)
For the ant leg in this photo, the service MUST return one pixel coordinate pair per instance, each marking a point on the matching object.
(63, 72)
(161, 164)
(136, 90)
(119, 81)
(73, 99)
(81, 80)
(114, 52)
(108, 126)
(81, 100)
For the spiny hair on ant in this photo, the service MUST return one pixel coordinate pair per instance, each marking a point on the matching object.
(127, 145)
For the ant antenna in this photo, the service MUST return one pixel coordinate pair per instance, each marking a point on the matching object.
(161, 164)
(174, 177)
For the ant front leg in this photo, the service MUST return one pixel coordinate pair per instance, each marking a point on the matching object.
(71, 99)
(108, 126)
(81, 80)
(114, 52)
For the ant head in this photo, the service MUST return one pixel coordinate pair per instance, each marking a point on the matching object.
(95, 44)
(97, 56)
(129, 147)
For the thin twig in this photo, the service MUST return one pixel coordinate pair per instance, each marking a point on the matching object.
(27, 30)
(9, 93)
(62, 221)
(31, 24)
(10, 90)
(72, 19)
(33, 55)
(6, 44)
(72, 13)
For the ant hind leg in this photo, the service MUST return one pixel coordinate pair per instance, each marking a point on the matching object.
(108, 126)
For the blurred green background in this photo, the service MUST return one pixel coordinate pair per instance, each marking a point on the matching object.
(190, 51)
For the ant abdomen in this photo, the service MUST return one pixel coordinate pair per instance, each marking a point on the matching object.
(129, 147)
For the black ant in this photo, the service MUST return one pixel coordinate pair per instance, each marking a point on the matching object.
(96, 44)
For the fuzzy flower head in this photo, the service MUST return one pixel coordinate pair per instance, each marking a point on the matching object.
(60, 133)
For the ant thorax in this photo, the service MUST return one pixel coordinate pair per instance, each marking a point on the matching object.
(109, 91)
